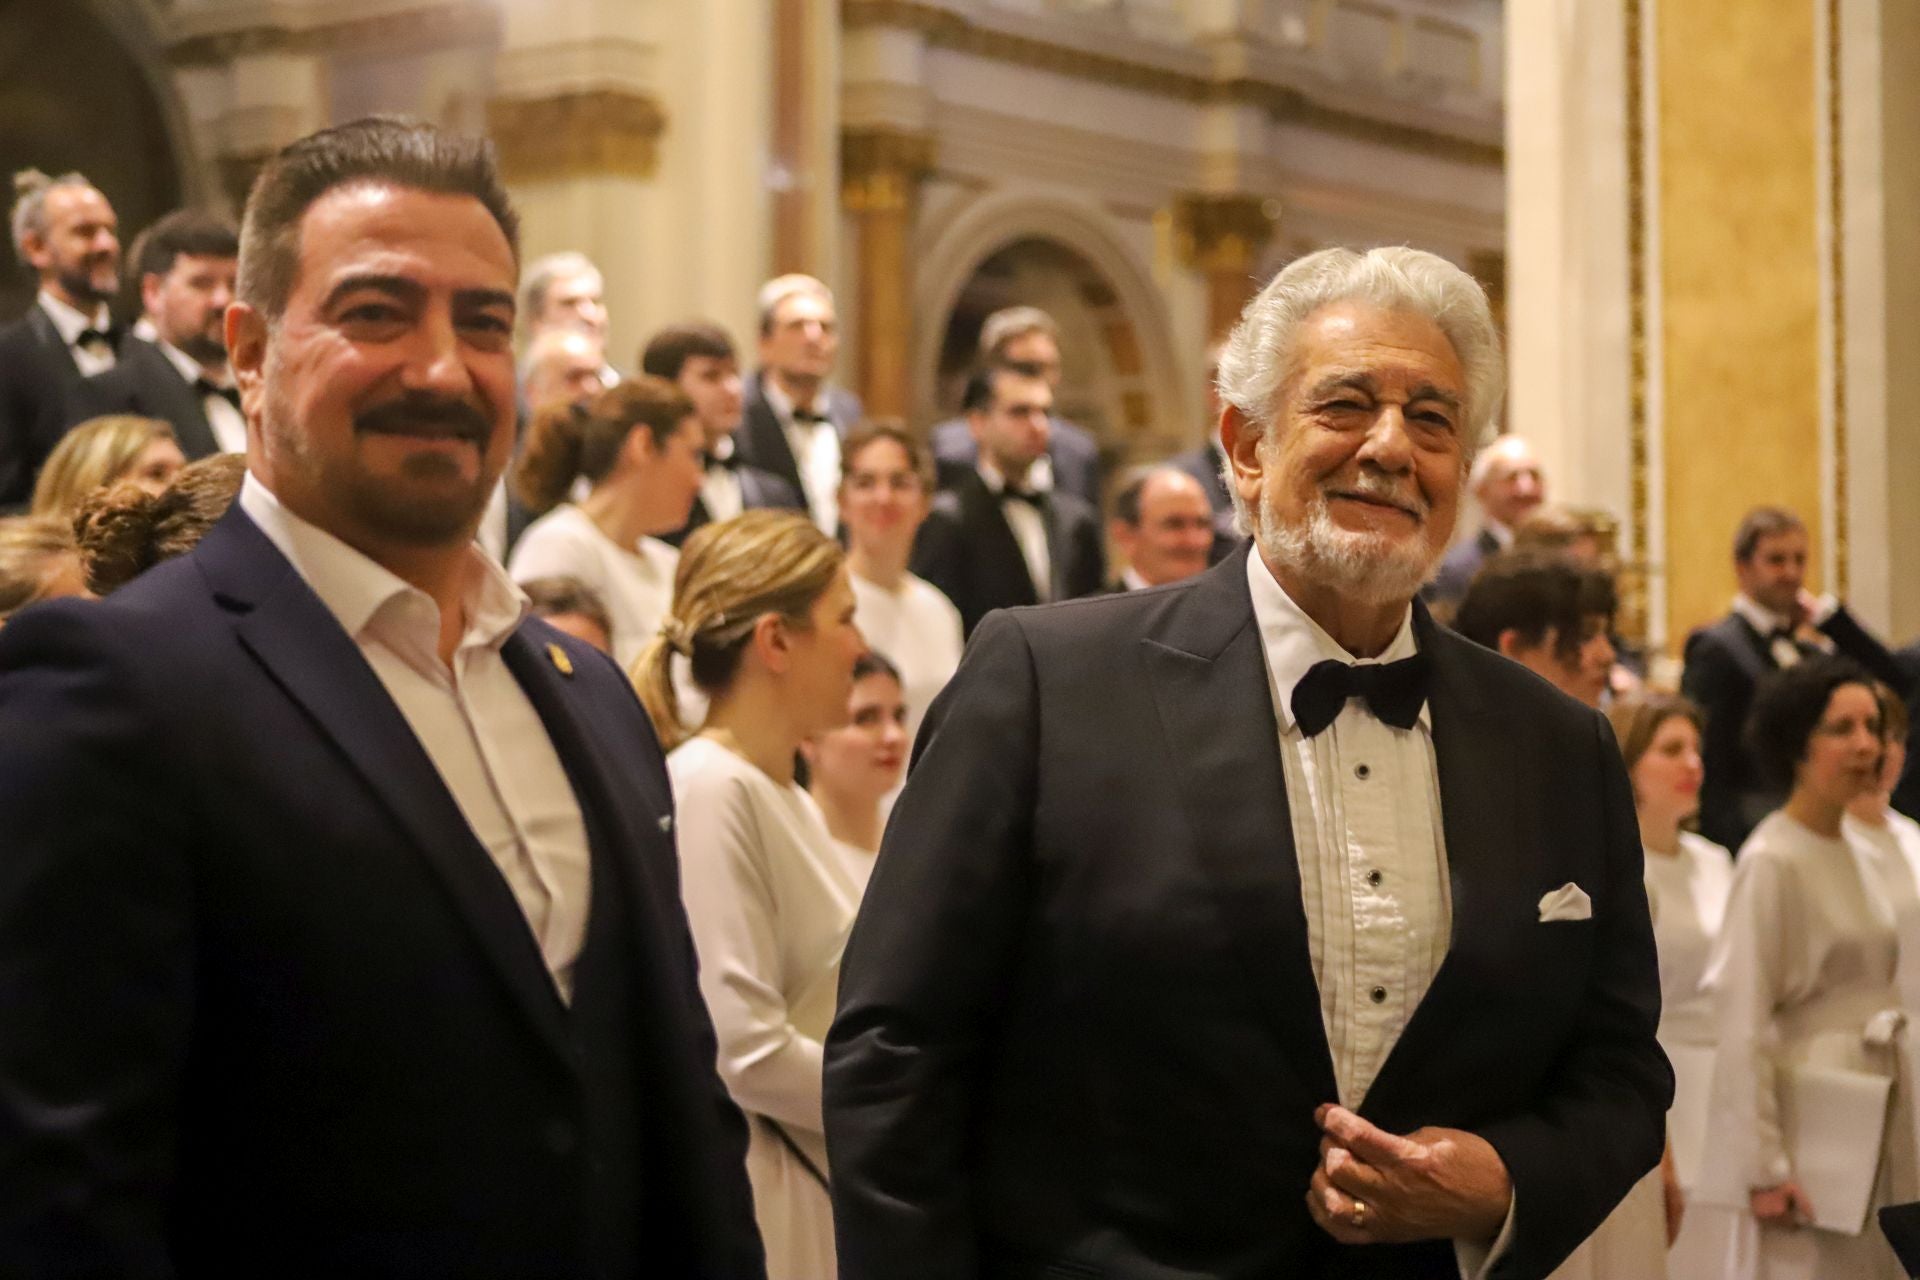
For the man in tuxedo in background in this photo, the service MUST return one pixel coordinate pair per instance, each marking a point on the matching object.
(699, 359)
(1162, 526)
(795, 417)
(340, 928)
(992, 540)
(185, 264)
(1207, 464)
(1774, 622)
(66, 233)
(1509, 485)
(1257, 926)
(1026, 336)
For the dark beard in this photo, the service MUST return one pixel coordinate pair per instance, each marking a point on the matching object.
(79, 284)
(208, 351)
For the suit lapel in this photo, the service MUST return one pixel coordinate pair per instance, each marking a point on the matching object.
(769, 448)
(302, 646)
(1008, 580)
(183, 407)
(1478, 787)
(1235, 798)
(48, 335)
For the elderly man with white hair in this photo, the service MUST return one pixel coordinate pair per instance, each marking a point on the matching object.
(1256, 926)
(795, 417)
(1508, 483)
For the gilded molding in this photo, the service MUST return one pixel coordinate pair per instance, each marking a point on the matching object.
(577, 134)
(1836, 179)
(881, 168)
(1635, 608)
(944, 28)
(1224, 232)
(449, 22)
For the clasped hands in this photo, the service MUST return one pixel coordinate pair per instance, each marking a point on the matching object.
(1375, 1187)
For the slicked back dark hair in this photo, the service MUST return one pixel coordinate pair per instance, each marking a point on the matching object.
(1789, 704)
(375, 150)
(668, 351)
(194, 232)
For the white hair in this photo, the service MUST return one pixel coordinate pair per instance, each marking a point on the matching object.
(1508, 447)
(543, 273)
(1008, 323)
(1259, 352)
(30, 191)
(780, 288)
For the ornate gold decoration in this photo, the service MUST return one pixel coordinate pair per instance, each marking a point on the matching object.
(576, 134)
(947, 29)
(1635, 608)
(1836, 174)
(448, 22)
(1221, 232)
(881, 168)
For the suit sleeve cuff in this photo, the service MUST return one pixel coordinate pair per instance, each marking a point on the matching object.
(1476, 1259)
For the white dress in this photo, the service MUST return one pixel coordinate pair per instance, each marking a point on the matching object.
(918, 630)
(1892, 852)
(770, 900)
(635, 583)
(1688, 892)
(1804, 964)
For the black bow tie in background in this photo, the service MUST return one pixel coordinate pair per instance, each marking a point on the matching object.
(1394, 691)
(1032, 497)
(810, 415)
(93, 338)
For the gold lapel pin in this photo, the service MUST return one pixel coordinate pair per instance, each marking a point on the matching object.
(560, 659)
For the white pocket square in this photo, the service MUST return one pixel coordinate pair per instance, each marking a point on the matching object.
(1568, 902)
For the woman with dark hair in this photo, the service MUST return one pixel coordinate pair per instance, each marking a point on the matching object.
(1803, 981)
(636, 449)
(853, 769)
(763, 616)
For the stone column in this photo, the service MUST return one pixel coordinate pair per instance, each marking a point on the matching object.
(881, 171)
(1222, 236)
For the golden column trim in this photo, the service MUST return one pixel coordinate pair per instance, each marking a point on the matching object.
(1837, 213)
(577, 134)
(1222, 236)
(880, 174)
(1636, 609)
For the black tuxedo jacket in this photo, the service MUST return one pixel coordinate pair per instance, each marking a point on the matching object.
(759, 490)
(1906, 796)
(966, 548)
(268, 1008)
(38, 378)
(1725, 662)
(1072, 450)
(1079, 1032)
(762, 442)
(144, 381)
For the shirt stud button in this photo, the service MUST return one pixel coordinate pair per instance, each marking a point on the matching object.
(1379, 995)
(1374, 878)
(1361, 772)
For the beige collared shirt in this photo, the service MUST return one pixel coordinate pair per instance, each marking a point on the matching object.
(472, 717)
(1365, 802)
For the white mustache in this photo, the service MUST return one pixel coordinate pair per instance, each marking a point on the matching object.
(1380, 489)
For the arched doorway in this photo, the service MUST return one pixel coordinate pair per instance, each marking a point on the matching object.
(74, 96)
(1104, 386)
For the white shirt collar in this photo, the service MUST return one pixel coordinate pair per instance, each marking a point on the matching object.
(782, 404)
(355, 588)
(1131, 579)
(1038, 480)
(68, 322)
(190, 369)
(1763, 619)
(1294, 642)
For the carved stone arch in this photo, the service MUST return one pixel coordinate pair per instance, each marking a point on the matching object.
(141, 28)
(951, 248)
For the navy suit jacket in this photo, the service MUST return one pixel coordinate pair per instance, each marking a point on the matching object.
(38, 379)
(1079, 1032)
(267, 1007)
(144, 381)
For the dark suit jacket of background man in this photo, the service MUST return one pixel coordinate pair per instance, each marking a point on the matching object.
(37, 379)
(268, 1008)
(762, 442)
(966, 548)
(145, 382)
(1906, 796)
(1203, 464)
(1455, 575)
(1079, 1032)
(1725, 662)
(759, 490)
(1072, 452)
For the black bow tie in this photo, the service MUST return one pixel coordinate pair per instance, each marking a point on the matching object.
(810, 415)
(1394, 691)
(729, 463)
(93, 338)
(208, 387)
(1035, 498)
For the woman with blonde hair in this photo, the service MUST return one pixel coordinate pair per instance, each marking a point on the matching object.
(38, 561)
(763, 613)
(103, 451)
(636, 446)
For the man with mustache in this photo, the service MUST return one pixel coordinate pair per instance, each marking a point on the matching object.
(340, 931)
(66, 233)
(1255, 926)
(186, 263)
